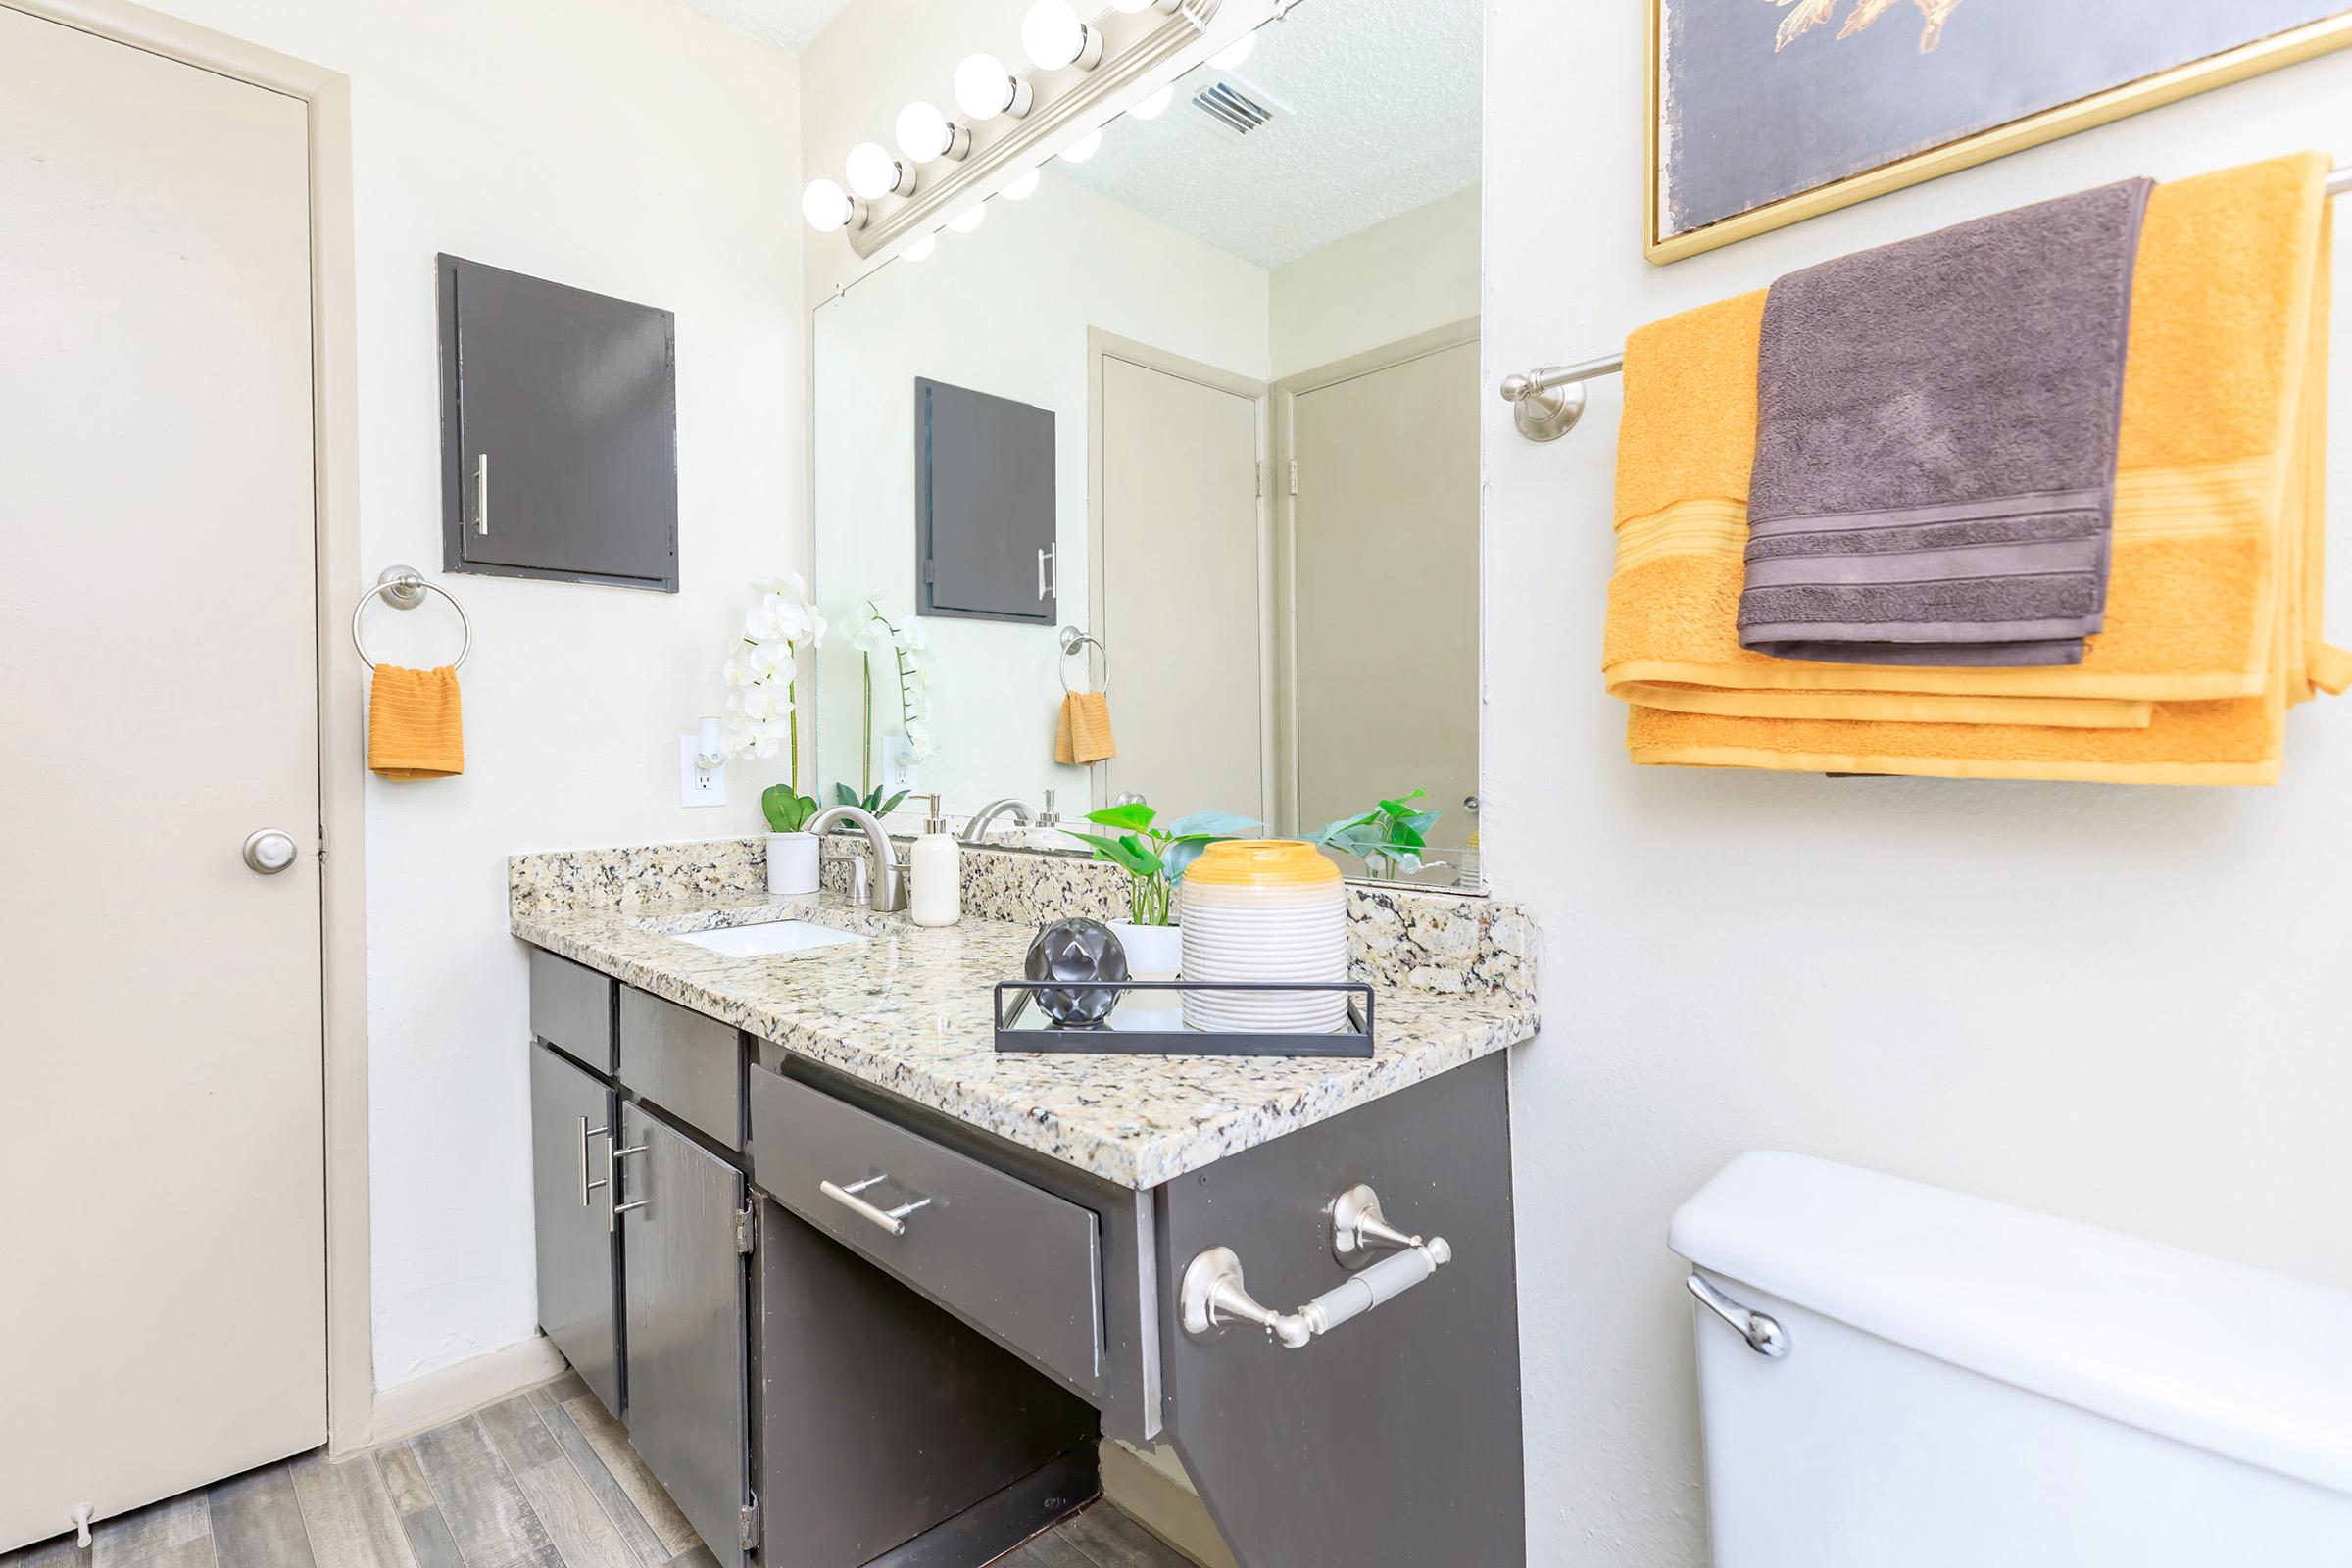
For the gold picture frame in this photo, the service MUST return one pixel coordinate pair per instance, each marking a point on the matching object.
(2032, 130)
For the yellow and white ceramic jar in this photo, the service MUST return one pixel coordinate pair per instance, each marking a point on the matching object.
(1265, 911)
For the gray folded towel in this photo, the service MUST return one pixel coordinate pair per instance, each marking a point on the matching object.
(1935, 429)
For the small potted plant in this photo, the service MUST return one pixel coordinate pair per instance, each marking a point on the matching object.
(763, 719)
(1389, 839)
(1156, 859)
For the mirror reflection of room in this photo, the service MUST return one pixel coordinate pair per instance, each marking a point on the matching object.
(1201, 407)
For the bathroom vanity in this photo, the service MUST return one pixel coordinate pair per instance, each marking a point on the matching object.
(863, 1291)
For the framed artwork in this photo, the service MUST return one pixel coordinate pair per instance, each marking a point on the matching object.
(1764, 112)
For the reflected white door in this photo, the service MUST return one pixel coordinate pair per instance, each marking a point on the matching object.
(1182, 609)
(163, 1262)
(1385, 547)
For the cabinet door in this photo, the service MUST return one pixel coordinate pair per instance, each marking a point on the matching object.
(558, 432)
(686, 1333)
(984, 506)
(574, 1240)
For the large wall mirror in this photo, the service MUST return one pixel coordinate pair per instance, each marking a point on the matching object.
(1203, 408)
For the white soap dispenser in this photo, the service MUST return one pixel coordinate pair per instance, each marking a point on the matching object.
(934, 868)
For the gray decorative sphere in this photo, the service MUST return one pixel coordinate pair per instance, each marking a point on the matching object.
(1077, 950)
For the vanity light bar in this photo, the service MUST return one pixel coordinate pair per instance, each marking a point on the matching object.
(1008, 116)
(1545, 404)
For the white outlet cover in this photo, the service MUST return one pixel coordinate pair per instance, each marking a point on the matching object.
(899, 770)
(696, 787)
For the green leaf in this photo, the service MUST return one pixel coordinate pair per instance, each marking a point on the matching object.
(1395, 807)
(1128, 854)
(1181, 853)
(786, 809)
(1134, 815)
(891, 803)
(1218, 824)
(842, 795)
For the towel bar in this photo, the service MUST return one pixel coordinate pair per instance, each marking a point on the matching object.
(403, 588)
(1546, 403)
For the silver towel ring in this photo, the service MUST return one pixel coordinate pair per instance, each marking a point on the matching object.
(403, 588)
(1072, 639)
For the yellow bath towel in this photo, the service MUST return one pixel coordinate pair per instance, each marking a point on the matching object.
(415, 726)
(2212, 600)
(1084, 733)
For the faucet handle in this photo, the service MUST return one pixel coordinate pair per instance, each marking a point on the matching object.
(1047, 818)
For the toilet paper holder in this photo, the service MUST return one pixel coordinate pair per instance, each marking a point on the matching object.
(1213, 1291)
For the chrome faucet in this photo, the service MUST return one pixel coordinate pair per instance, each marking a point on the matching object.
(976, 831)
(890, 883)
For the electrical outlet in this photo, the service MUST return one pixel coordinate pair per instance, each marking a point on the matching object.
(900, 772)
(696, 785)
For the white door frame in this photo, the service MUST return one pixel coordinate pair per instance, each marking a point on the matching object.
(1287, 393)
(342, 734)
(1100, 346)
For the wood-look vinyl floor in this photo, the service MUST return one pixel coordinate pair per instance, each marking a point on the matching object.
(545, 1480)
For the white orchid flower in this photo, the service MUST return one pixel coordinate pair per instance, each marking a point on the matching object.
(766, 659)
(760, 624)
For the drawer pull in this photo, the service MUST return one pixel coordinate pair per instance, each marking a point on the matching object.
(893, 1220)
(1213, 1292)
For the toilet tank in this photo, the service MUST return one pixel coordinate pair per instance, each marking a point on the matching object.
(1966, 1385)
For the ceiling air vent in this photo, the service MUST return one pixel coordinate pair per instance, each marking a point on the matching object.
(1231, 108)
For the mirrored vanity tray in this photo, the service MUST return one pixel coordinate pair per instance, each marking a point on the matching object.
(1134, 1030)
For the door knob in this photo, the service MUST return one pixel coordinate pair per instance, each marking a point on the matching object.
(269, 851)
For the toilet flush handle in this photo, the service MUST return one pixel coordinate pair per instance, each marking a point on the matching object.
(1764, 1335)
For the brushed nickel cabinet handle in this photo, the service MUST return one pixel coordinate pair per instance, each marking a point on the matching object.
(893, 1220)
(587, 1131)
(612, 1183)
(481, 493)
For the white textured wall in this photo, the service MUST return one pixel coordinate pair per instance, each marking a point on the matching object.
(629, 147)
(1407, 274)
(2123, 1005)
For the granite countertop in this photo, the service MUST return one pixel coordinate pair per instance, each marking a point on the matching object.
(908, 1010)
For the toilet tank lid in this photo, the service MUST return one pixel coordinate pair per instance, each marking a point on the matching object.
(2228, 1359)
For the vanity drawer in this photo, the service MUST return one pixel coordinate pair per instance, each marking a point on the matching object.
(688, 1064)
(1012, 1259)
(571, 1009)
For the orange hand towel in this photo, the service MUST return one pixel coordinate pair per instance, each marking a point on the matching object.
(415, 727)
(2214, 595)
(1083, 734)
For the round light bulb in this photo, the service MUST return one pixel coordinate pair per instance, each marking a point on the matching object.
(970, 218)
(1052, 36)
(922, 132)
(985, 89)
(1022, 187)
(922, 248)
(873, 172)
(1233, 54)
(826, 206)
(1155, 104)
(1085, 147)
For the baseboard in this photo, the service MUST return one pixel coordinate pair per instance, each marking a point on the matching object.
(423, 1403)
(1174, 1514)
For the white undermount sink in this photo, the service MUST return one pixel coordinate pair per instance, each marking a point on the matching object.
(769, 937)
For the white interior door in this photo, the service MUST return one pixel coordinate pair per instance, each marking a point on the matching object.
(163, 1263)
(1385, 596)
(1182, 567)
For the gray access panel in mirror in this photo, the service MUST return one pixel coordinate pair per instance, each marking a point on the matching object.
(984, 505)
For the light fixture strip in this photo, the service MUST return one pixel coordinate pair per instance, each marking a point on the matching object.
(1133, 44)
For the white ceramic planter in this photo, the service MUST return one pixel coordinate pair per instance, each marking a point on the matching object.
(791, 863)
(1153, 952)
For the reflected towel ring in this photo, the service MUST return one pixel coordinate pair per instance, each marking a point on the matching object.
(403, 588)
(1072, 639)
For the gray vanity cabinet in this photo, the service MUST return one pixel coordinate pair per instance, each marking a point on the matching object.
(570, 1112)
(685, 1292)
